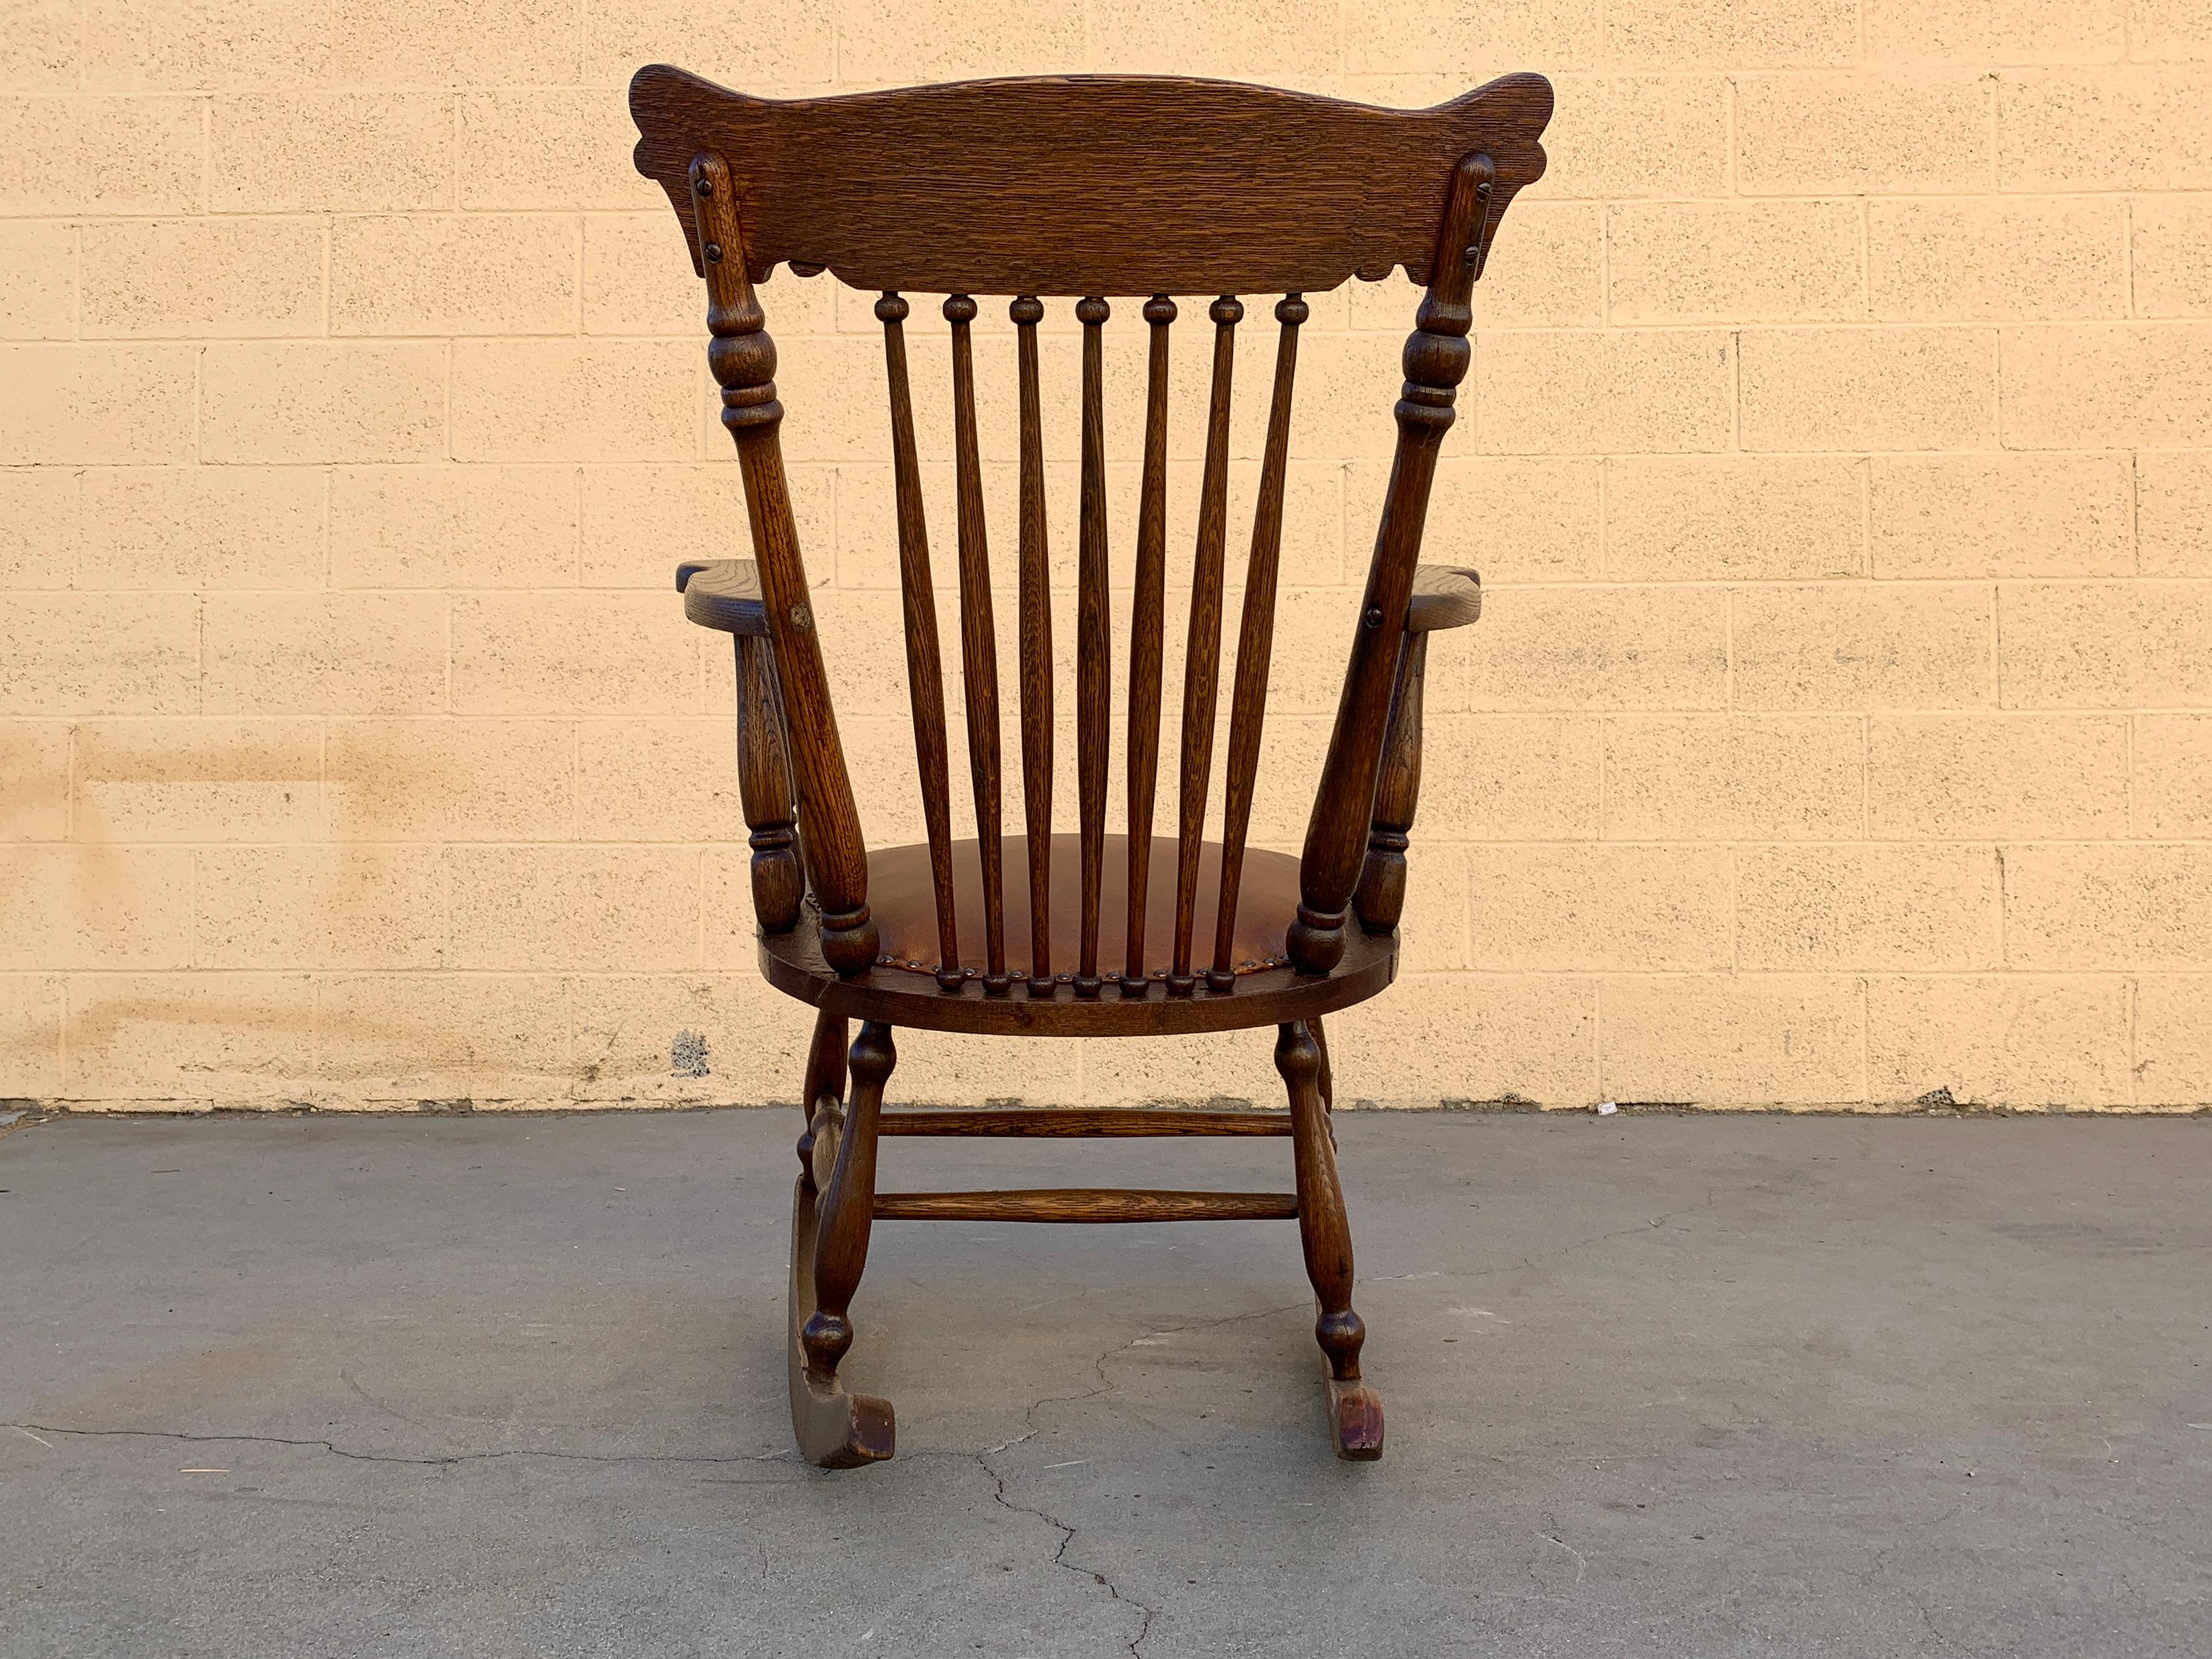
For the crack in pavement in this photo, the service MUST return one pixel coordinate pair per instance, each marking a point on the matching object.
(439, 1461)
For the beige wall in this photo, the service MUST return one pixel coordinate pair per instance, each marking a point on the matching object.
(1838, 454)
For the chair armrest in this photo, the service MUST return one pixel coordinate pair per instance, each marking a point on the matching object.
(724, 593)
(1444, 596)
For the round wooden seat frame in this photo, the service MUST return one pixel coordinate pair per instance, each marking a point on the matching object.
(1077, 187)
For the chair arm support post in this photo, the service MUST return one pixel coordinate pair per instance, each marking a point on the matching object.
(764, 788)
(743, 359)
(1437, 357)
(1380, 899)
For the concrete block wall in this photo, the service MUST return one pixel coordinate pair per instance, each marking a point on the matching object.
(1838, 454)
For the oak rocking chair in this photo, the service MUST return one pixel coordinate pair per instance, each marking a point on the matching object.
(1079, 187)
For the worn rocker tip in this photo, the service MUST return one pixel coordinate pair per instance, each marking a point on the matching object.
(1355, 1417)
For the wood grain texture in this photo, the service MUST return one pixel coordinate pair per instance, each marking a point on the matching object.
(979, 641)
(1093, 641)
(822, 1090)
(764, 791)
(1379, 900)
(1436, 360)
(723, 593)
(1147, 629)
(1034, 600)
(1075, 184)
(834, 1430)
(1325, 1235)
(1078, 1122)
(743, 359)
(1202, 646)
(1444, 596)
(793, 963)
(1086, 1204)
(925, 675)
(1255, 639)
(846, 1205)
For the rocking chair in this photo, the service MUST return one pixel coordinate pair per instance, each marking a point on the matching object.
(1077, 187)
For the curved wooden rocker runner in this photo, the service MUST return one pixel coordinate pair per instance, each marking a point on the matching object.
(1078, 188)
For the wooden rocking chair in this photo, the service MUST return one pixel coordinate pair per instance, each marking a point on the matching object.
(1077, 187)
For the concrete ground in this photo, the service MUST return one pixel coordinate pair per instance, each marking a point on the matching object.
(1698, 1386)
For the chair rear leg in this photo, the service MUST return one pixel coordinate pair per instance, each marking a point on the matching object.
(1355, 1410)
(829, 1249)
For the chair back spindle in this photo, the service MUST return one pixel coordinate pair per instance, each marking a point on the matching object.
(979, 643)
(1094, 640)
(1202, 647)
(1035, 605)
(925, 677)
(1147, 624)
(1255, 639)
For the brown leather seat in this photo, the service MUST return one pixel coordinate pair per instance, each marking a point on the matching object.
(903, 900)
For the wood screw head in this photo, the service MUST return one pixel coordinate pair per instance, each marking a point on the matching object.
(705, 186)
(1374, 617)
(713, 253)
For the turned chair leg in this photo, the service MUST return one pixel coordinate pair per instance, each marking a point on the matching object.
(829, 1249)
(1355, 1410)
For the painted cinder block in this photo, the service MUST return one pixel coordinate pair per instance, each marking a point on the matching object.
(198, 779)
(218, 278)
(1570, 906)
(2074, 906)
(1733, 517)
(1995, 514)
(1727, 1039)
(1869, 388)
(96, 906)
(1972, 777)
(1734, 262)
(75, 654)
(400, 1039)
(1600, 648)
(1849, 132)
(436, 779)
(332, 653)
(207, 1039)
(316, 151)
(1734, 777)
(1977, 260)
(188, 529)
(596, 908)
(323, 401)
(479, 273)
(1997, 31)
(1896, 908)
(319, 907)
(38, 280)
(1859, 645)
(2105, 127)
(34, 780)
(2105, 645)
(2024, 1040)
(2171, 776)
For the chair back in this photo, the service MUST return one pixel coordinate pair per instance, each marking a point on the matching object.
(1089, 187)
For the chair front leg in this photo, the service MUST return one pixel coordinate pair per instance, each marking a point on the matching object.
(847, 1206)
(830, 1247)
(1324, 1232)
